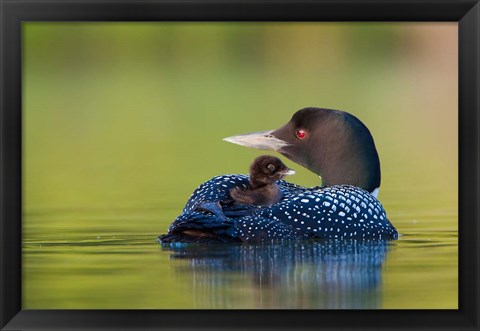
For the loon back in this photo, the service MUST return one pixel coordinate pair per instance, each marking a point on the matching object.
(336, 212)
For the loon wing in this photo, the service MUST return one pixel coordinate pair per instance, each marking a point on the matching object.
(208, 217)
(214, 190)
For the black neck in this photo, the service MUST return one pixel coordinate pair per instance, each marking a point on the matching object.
(348, 156)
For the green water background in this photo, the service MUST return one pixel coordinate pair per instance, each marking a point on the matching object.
(122, 121)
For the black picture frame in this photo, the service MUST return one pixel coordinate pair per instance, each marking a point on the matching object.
(14, 12)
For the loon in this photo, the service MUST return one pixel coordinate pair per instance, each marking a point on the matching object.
(262, 190)
(333, 144)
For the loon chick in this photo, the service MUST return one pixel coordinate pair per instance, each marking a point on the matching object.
(262, 190)
(333, 144)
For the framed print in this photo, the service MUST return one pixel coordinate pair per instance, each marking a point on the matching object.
(124, 203)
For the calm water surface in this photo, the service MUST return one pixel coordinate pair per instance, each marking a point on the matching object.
(120, 269)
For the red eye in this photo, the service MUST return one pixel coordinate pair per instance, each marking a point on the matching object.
(301, 134)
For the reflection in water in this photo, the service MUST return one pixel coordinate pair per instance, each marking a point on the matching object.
(325, 274)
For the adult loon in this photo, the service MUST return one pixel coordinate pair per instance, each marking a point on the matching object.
(262, 189)
(333, 144)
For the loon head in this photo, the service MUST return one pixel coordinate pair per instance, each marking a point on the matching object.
(267, 169)
(333, 144)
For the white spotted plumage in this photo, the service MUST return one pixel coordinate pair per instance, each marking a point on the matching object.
(349, 212)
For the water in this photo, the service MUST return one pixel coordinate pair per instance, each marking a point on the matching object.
(123, 121)
(95, 268)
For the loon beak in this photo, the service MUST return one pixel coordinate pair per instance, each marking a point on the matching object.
(289, 172)
(260, 140)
